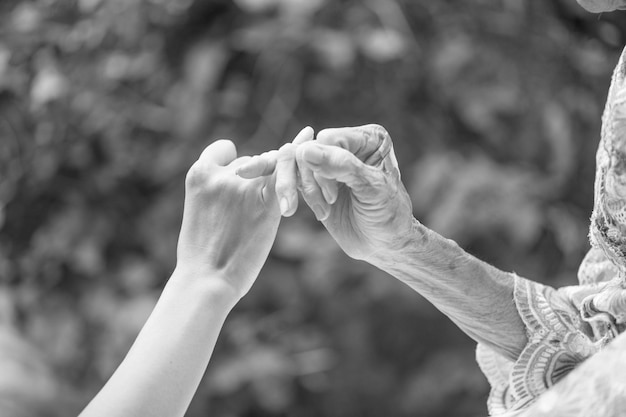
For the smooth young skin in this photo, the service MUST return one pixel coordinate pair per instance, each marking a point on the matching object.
(283, 163)
(370, 216)
(229, 225)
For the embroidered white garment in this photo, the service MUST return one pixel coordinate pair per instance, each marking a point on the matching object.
(558, 340)
(565, 326)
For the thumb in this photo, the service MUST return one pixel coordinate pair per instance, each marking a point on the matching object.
(221, 152)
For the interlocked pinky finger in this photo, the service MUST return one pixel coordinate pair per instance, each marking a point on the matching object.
(259, 166)
(312, 194)
(286, 179)
(239, 162)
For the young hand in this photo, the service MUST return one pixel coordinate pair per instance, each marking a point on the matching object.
(229, 224)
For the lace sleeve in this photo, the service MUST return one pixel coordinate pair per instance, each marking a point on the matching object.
(558, 340)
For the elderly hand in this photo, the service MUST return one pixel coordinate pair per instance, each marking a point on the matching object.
(372, 220)
(355, 189)
(350, 179)
(229, 224)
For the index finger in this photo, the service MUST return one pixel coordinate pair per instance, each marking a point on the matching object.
(266, 163)
(337, 164)
(259, 165)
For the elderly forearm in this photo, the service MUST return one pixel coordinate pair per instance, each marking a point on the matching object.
(161, 372)
(475, 295)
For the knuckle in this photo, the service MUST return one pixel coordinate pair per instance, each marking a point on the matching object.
(201, 181)
(325, 138)
(342, 142)
(270, 155)
(379, 129)
(197, 177)
(355, 165)
(381, 133)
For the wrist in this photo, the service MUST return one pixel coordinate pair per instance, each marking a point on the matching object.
(422, 250)
(210, 288)
(413, 237)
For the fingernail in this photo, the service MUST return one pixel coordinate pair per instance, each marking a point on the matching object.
(320, 212)
(284, 205)
(328, 196)
(314, 155)
(242, 170)
(304, 135)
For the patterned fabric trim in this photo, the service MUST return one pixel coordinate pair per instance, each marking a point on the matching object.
(497, 370)
(556, 345)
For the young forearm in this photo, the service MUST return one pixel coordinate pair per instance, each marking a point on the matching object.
(475, 295)
(161, 372)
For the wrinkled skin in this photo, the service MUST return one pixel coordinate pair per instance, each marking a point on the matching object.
(350, 179)
(371, 208)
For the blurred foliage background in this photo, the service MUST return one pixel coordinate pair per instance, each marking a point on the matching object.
(494, 107)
